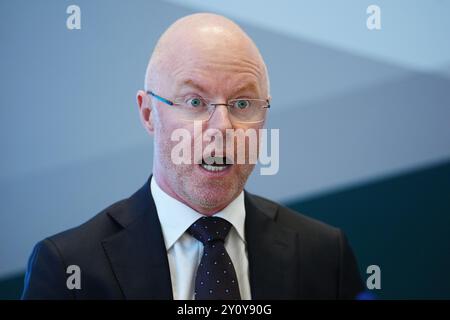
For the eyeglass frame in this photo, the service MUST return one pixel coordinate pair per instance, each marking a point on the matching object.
(171, 103)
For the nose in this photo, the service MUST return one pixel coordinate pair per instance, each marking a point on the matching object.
(220, 118)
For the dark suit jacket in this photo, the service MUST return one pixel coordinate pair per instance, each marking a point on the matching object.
(121, 254)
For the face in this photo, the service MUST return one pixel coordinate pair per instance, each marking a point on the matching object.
(218, 73)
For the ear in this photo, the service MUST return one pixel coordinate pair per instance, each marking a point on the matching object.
(145, 110)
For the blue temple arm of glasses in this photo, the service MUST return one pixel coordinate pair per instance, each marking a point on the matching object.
(160, 98)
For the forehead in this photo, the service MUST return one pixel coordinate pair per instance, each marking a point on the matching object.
(214, 87)
(214, 82)
(215, 71)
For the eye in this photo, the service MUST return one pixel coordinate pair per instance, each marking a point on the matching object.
(241, 104)
(194, 102)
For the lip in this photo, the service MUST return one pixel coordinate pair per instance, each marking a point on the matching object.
(215, 174)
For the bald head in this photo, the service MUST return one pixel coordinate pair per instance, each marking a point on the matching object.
(213, 40)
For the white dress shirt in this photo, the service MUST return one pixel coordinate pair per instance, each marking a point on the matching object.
(184, 252)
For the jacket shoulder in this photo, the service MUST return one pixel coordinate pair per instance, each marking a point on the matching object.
(328, 264)
(80, 246)
(295, 220)
(94, 230)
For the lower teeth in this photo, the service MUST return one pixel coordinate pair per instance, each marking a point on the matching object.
(213, 168)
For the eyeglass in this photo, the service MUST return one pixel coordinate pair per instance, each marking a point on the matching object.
(198, 108)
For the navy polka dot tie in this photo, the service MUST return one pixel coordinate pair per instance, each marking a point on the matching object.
(216, 277)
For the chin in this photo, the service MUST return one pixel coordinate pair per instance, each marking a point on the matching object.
(213, 198)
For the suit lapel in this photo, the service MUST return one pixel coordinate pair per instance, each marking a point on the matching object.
(137, 253)
(272, 252)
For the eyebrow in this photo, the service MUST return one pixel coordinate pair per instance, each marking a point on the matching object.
(191, 83)
(248, 86)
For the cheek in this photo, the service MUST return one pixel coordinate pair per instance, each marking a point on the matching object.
(165, 146)
(163, 143)
(244, 170)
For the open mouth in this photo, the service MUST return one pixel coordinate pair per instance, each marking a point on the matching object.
(215, 164)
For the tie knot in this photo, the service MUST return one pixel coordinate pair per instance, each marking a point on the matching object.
(210, 229)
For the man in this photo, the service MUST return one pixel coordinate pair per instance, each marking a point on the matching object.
(192, 232)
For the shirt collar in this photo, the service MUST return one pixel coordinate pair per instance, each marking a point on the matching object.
(176, 217)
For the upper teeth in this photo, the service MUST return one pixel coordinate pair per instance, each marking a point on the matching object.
(213, 168)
